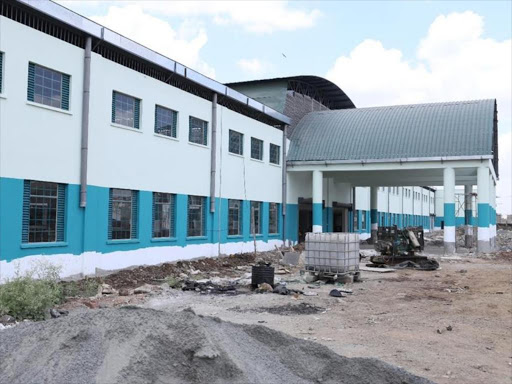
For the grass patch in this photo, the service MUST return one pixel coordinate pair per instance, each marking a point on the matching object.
(32, 294)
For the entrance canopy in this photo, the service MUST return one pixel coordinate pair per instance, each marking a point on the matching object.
(408, 138)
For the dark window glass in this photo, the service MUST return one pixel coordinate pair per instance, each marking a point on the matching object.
(256, 149)
(363, 220)
(196, 216)
(355, 221)
(198, 131)
(235, 217)
(47, 87)
(43, 212)
(126, 110)
(166, 121)
(255, 217)
(273, 218)
(274, 153)
(236, 142)
(163, 215)
(121, 219)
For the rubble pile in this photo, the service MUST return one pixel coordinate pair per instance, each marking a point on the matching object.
(134, 345)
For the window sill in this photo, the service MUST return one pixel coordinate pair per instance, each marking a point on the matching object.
(165, 137)
(274, 165)
(34, 104)
(197, 238)
(164, 240)
(44, 245)
(257, 160)
(198, 145)
(123, 241)
(125, 127)
(235, 236)
(236, 155)
(3, 96)
(258, 236)
(274, 235)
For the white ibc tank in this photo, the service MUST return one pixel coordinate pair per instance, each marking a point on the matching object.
(332, 252)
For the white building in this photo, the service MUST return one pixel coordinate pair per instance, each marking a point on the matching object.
(112, 155)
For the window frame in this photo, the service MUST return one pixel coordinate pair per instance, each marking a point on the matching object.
(174, 127)
(59, 211)
(136, 110)
(261, 148)
(240, 150)
(258, 208)
(278, 148)
(32, 86)
(270, 229)
(239, 218)
(204, 134)
(172, 215)
(134, 215)
(202, 215)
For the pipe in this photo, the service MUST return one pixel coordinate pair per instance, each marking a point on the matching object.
(85, 122)
(213, 162)
(284, 187)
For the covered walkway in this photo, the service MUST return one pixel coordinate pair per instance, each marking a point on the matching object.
(441, 144)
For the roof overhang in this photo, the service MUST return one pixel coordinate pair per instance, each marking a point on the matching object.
(90, 28)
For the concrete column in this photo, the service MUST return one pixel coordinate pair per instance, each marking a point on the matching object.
(483, 209)
(492, 213)
(317, 200)
(374, 216)
(449, 210)
(468, 213)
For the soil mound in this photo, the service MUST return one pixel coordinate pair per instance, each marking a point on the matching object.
(134, 345)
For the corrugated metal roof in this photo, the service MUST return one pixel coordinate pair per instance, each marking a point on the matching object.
(462, 128)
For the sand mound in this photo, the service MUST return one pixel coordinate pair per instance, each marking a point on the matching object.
(133, 345)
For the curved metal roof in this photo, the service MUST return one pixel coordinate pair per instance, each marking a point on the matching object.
(438, 130)
(318, 88)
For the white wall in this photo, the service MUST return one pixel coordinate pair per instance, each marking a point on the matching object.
(37, 142)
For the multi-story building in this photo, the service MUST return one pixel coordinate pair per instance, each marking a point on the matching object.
(112, 155)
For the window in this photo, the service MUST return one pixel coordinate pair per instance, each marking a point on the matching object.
(125, 110)
(166, 121)
(236, 142)
(274, 153)
(198, 131)
(234, 217)
(356, 227)
(256, 149)
(48, 87)
(196, 216)
(273, 218)
(43, 212)
(255, 217)
(363, 220)
(123, 214)
(1, 70)
(163, 215)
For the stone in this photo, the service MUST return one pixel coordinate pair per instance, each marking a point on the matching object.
(107, 289)
(54, 313)
(91, 304)
(125, 292)
(7, 319)
(265, 288)
(291, 258)
(146, 288)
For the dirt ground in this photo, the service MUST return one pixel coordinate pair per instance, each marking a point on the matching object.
(453, 325)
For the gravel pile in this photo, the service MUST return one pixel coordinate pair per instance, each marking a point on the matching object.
(134, 345)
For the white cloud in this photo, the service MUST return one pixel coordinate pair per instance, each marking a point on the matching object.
(453, 62)
(254, 67)
(183, 44)
(253, 16)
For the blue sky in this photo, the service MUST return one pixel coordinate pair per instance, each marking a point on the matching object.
(378, 52)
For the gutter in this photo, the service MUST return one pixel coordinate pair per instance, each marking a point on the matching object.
(293, 163)
(85, 123)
